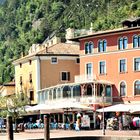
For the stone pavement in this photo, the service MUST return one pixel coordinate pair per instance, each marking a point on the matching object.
(39, 134)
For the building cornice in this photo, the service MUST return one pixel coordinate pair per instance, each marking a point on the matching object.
(105, 33)
(44, 56)
(52, 54)
(110, 52)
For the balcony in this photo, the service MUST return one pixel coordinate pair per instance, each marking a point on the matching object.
(83, 100)
(96, 100)
(84, 78)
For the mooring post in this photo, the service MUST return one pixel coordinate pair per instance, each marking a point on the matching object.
(10, 128)
(47, 127)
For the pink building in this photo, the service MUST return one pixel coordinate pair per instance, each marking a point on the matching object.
(113, 57)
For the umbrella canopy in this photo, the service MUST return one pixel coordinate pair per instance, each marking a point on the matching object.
(135, 108)
(71, 105)
(58, 107)
(38, 107)
(116, 108)
(43, 108)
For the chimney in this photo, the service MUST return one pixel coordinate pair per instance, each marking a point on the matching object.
(91, 28)
(69, 34)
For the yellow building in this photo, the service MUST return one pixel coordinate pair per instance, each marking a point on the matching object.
(46, 65)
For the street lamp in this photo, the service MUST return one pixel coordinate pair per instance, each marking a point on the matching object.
(103, 95)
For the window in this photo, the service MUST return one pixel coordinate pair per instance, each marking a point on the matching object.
(20, 80)
(65, 76)
(139, 41)
(31, 95)
(78, 60)
(66, 92)
(89, 69)
(122, 89)
(102, 46)
(122, 65)
(108, 91)
(54, 94)
(76, 91)
(125, 43)
(54, 60)
(50, 95)
(137, 64)
(137, 88)
(30, 62)
(102, 67)
(20, 65)
(58, 93)
(122, 43)
(30, 78)
(136, 41)
(88, 48)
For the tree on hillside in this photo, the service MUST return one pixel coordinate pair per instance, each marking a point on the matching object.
(27, 22)
(13, 105)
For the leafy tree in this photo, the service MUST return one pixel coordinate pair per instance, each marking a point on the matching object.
(17, 18)
(13, 105)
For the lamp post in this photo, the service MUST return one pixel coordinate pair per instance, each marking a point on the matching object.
(9, 123)
(103, 130)
(68, 94)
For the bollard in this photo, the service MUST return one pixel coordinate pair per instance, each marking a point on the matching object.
(47, 127)
(10, 128)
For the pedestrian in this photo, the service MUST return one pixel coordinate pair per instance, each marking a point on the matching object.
(77, 126)
(1, 123)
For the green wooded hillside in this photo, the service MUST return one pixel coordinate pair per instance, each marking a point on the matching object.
(24, 22)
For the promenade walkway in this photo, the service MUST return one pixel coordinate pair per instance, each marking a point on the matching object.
(39, 134)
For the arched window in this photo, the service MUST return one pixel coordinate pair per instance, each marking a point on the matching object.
(139, 41)
(54, 93)
(58, 93)
(120, 44)
(89, 90)
(104, 45)
(76, 91)
(66, 92)
(108, 91)
(46, 95)
(135, 41)
(122, 89)
(125, 41)
(86, 48)
(50, 95)
(137, 88)
(100, 46)
(90, 47)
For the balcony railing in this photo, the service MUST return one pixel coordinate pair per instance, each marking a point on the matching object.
(82, 100)
(96, 100)
(84, 78)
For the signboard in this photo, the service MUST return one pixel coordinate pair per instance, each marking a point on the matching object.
(85, 121)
